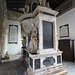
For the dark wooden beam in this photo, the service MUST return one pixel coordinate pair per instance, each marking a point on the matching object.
(12, 6)
(51, 1)
(51, 5)
(11, 1)
(16, 10)
(15, 5)
(55, 1)
(61, 1)
(18, 4)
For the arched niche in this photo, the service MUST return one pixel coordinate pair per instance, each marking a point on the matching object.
(34, 5)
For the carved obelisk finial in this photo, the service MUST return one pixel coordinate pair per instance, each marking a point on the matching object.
(40, 2)
(44, 3)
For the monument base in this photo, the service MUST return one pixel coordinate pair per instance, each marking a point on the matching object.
(46, 64)
(58, 70)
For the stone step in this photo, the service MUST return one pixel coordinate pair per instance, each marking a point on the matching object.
(58, 70)
(62, 72)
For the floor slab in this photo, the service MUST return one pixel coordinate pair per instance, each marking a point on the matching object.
(70, 67)
(15, 66)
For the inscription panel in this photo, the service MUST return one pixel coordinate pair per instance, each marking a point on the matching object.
(47, 35)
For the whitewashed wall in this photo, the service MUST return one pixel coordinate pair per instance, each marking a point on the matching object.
(68, 18)
(13, 48)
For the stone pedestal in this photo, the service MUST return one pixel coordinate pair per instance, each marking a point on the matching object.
(43, 64)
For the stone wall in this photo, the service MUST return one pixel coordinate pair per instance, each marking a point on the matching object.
(12, 15)
(4, 16)
(4, 27)
(1, 20)
(3, 23)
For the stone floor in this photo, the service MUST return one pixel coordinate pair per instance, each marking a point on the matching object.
(13, 66)
(12, 58)
(17, 67)
(70, 67)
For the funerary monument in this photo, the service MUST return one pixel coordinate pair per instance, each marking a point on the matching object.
(40, 41)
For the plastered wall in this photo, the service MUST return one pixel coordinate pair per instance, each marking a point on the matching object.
(68, 18)
(10, 18)
(13, 48)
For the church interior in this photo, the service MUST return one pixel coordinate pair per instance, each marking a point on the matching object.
(36, 37)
